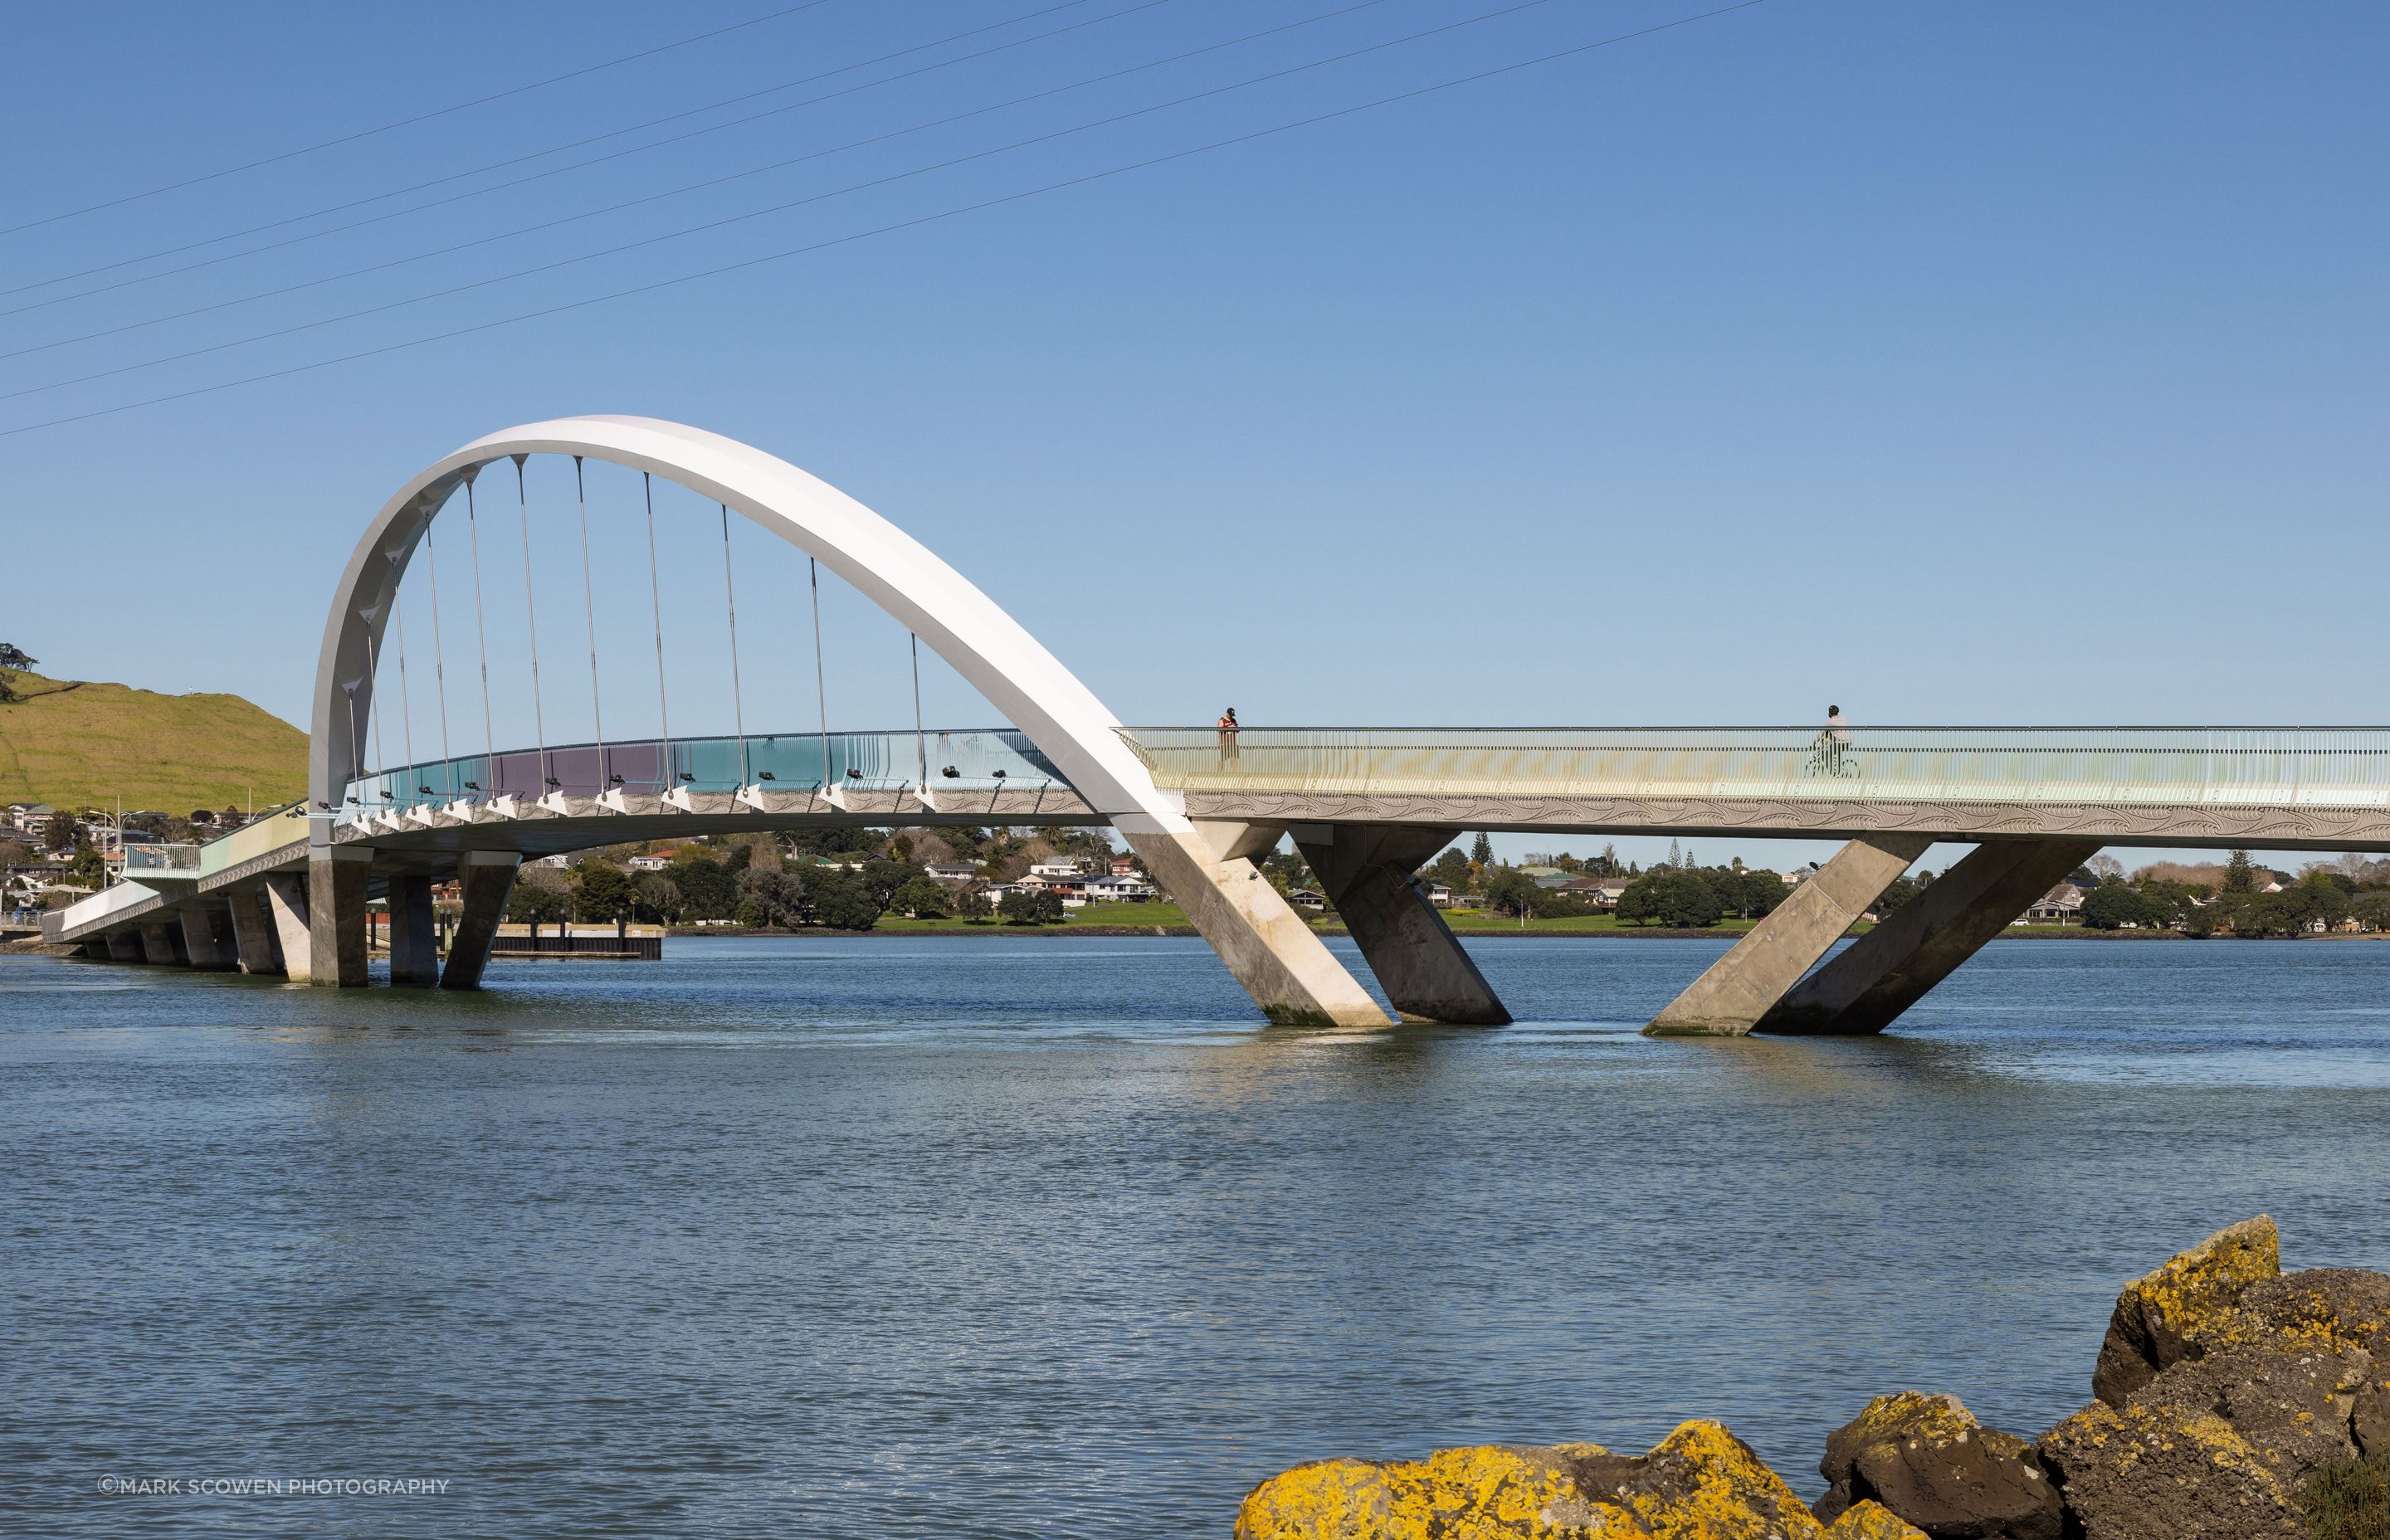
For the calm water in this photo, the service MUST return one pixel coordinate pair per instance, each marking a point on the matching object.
(1004, 1236)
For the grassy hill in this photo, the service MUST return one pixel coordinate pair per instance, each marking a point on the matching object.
(84, 745)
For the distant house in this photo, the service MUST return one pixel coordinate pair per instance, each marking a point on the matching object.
(1124, 866)
(1058, 866)
(1307, 898)
(1439, 895)
(1540, 872)
(953, 871)
(1601, 892)
(1118, 888)
(2061, 905)
(655, 861)
(31, 818)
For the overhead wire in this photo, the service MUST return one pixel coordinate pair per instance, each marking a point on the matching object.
(555, 149)
(404, 122)
(810, 198)
(938, 216)
(687, 187)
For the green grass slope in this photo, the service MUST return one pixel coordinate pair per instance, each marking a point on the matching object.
(86, 745)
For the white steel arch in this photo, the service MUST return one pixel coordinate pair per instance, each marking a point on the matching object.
(1271, 952)
(986, 645)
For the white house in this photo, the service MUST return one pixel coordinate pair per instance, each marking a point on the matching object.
(1057, 866)
(953, 871)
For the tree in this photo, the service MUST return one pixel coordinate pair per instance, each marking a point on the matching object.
(12, 658)
(838, 899)
(763, 898)
(1031, 906)
(1451, 868)
(1685, 900)
(708, 889)
(1481, 853)
(2240, 877)
(2106, 867)
(922, 897)
(90, 867)
(2113, 905)
(971, 904)
(1902, 890)
(1510, 891)
(58, 834)
(659, 897)
(602, 891)
(2372, 910)
(540, 897)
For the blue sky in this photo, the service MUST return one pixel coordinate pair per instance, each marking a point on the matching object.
(2002, 363)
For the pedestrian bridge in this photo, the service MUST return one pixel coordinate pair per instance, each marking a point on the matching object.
(1367, 806)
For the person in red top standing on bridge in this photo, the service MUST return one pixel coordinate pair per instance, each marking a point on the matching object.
(1228, 738)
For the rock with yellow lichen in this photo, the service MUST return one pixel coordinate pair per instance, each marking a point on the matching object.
(2157, 1314)
(1865, 1520)
(2163, 1473)
(1926, 1458)
(1701, 1483)
(1496, 1492)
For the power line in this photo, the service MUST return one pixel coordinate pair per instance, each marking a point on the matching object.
(554, 149)
(943, 214)
(686, 188)
(409, 122)
(780, 208)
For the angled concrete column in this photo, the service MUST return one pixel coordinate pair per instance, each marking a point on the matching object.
(125, 947)
(1366, 871)
(1282, 965)
(337, 875)
(199, 938)
(484, 877)
(1738, 989)
(1888, 969)
(286, 906)
(158, 943)
(414, 941)
(252, 938)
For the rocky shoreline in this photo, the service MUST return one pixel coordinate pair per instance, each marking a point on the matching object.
(2231, 1401)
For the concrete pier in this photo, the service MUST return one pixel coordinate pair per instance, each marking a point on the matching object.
(285, 906)
(413, 937)
(485, 878)
(1741, 987)
(252, 933)
(1366, 873)
(1282, 965)
(199, 940)
(337, 877)
(1888, 969)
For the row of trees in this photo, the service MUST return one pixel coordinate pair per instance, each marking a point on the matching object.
(762, 881)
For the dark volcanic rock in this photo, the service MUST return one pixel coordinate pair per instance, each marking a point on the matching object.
(2157, 1314)
(2321, 1307)
(2369, 1418)
(1926, 1458)
(2215, 1449)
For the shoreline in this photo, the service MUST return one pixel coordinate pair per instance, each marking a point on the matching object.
(1111, 931)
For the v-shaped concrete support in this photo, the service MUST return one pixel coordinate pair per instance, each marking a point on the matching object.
(1889, 968)
(1365, 872)
(1739, 988)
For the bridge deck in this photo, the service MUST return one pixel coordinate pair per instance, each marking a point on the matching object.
(2283, 788)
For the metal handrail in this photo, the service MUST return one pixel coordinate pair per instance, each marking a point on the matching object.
(2307, 767)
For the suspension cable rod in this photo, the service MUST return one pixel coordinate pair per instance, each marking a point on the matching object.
(589, 597)
(920, 740)
(373, 712)
(730, 602)
(531, 616)
(440, 664)
(655, 593)
(821, 692)
(481, 631)
(406, 711)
